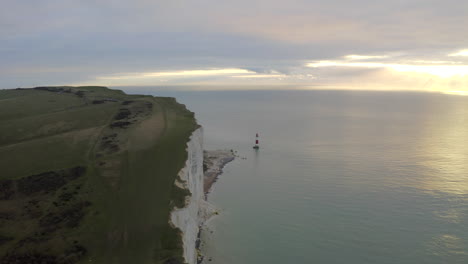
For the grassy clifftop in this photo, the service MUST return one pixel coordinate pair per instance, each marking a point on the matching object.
(87, 175)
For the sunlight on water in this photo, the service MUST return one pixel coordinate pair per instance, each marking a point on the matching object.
(446, 245)
(444, 148)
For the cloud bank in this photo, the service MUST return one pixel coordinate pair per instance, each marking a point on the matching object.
(359, 44)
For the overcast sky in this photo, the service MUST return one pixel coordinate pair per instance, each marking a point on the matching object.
(333, 44)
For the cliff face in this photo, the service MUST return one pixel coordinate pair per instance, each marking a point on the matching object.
(189, 218)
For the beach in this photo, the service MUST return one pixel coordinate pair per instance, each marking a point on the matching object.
(213, 164)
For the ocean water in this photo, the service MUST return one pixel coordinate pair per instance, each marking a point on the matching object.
(341, 177)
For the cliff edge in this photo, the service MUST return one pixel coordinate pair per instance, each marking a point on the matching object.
(88, 175)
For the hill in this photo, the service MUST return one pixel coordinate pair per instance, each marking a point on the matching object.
(87, 175)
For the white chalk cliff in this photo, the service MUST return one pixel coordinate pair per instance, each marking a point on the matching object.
(189, 218)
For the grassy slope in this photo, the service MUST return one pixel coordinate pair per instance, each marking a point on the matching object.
(130, 170)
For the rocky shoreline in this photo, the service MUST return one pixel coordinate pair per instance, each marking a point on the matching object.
(213, 164)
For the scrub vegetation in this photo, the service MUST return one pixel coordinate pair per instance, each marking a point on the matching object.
(87, 175)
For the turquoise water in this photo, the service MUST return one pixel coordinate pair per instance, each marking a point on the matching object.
(341, 177)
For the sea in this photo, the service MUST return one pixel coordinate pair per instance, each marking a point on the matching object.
(349, 177)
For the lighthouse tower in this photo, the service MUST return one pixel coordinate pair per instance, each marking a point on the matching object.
(256, 142)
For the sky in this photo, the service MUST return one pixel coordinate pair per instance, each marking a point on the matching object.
(303, 44)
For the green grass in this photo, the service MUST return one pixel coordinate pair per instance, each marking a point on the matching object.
(131, 191)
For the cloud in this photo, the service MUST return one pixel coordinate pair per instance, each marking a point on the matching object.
(365, 57)
(198, 76)
(463, 53)
(402, 72)
(64, 42)
(426, 67)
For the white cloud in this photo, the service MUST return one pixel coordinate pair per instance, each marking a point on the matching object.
(365, 57)
(461, 53)
(173, 74)
(218, 41)
(258, 76)
(440, 70)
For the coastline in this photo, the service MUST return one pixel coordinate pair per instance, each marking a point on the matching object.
(201, 170)
(213, 164)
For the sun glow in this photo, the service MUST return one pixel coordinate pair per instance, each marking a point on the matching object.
(460, 53)
(464, 93)
(183, 73)
(202, 76)
(443, 71)
(260, 76)
(364, 57)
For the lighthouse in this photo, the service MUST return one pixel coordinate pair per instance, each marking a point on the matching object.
(256, 142)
